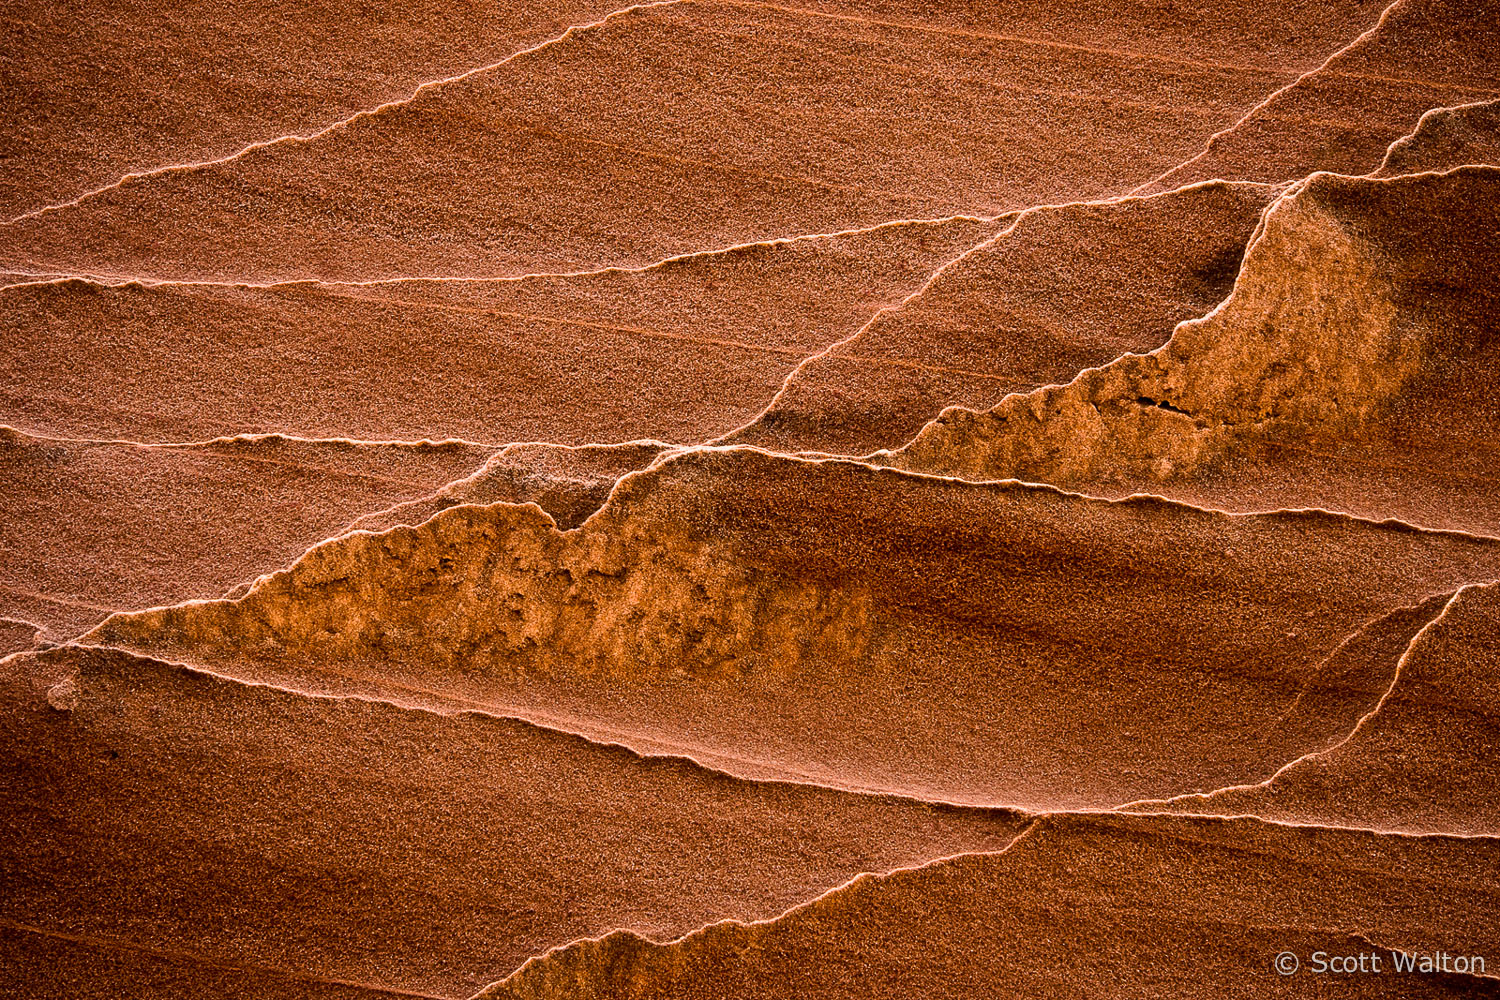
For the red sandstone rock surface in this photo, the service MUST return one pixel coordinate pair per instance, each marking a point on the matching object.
(719, 498)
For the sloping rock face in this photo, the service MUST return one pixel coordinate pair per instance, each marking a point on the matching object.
(1360, 330)
(1015, 922)
(723, 498)
(865, 628)
(987, 327)
(1447, 138)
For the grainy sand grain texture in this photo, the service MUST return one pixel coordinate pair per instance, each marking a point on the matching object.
(750, 499)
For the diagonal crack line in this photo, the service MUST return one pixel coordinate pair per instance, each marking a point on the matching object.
(1428, 116)
(54, 599)
(813, 358)
(1012, 220)
(1015, 218)
(1129, 55)
(580, 28)
(361, 522)
(1317, 754)
(990, 36)
(1313, 674)
(571, 31)
(1266, 102)
(113, 280)
(806, 905)
(446, 489)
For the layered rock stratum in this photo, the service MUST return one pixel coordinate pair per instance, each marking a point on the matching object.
(718, 498)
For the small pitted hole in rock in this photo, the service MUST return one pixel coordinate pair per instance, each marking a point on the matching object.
(1161, 405)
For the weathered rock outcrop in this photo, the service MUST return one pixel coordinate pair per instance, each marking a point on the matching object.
(1446, 138)
(1360, 333)
(1146, 907)
(1000, 643)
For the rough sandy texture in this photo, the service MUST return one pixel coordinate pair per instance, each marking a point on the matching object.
(569, 483)
(90, 91)
(1447, 138)
(1422, 758)
(681, 352)
(1353, 369)
(863, 627)
(568, 501)
(1423, 54)
(92, 527)
(394, 846)
(684, 125)
(1058, 290)
(1082, 906)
